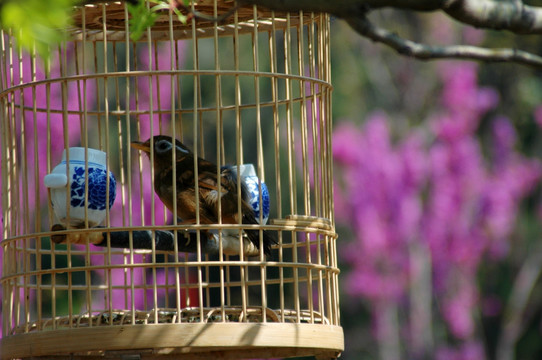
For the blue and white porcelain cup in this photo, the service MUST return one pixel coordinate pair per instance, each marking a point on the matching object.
(59, 179)
(249, 177)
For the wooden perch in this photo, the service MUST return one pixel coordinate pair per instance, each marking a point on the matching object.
(163, 240)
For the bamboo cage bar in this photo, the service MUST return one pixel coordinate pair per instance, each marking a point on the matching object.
(252, 88)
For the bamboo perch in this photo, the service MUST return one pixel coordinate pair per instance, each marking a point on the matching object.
(163, 240)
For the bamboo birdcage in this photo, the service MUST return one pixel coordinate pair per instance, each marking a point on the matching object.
(253, 88)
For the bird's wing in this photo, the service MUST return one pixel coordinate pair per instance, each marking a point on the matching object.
(207, 175)
(228, 179)
(229, 182)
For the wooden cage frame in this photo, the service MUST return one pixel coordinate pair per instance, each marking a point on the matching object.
(257, 80)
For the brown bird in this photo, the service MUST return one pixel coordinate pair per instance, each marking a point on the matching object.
(208, 188)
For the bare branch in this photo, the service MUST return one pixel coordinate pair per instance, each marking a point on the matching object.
(429, 52)
(514, 318)
(514, 16)
(345, 8)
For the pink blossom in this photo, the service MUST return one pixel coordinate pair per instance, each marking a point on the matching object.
(457, 308)
(473, 36)
(443, 193)
(471, 350)
(345, 135)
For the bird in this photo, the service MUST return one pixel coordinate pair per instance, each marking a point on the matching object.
(207, 184)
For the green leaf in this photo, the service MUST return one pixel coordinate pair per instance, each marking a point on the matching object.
(36, 23)
(41, 24)
(140, 19)
(182, 18)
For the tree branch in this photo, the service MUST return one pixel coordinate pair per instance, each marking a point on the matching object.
(429, 52)
(514, 16)
(514, 321)
(345, 8)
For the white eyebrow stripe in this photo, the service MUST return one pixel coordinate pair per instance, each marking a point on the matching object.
(181, 149)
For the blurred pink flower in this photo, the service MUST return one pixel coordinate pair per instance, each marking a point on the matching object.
(445, 195)
(31, 127)
(457, 308)
(473, 36)
(471, 350)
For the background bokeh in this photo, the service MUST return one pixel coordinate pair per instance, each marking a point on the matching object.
(437, 166)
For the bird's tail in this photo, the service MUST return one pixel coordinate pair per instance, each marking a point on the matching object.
(254, 235)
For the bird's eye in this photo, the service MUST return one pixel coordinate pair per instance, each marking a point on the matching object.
(163, 146)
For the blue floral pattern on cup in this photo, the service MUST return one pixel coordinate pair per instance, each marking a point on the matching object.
(97, 188)
(69, 206)
(252, 187)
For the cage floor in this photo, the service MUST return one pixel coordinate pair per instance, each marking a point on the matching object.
(231, 314)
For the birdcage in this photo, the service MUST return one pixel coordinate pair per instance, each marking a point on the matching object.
(95, 263)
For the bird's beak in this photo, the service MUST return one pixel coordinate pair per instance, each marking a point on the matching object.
(141, 146)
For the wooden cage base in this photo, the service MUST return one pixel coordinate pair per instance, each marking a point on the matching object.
(179, 341)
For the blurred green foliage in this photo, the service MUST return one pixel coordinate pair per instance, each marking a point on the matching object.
(36, 23)
(39, 25)
(142, 17)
